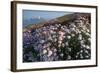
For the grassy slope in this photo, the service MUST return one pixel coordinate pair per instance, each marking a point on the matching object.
(62, 19)
(59, 20)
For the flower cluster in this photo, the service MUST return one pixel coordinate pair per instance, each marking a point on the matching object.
(58, 42)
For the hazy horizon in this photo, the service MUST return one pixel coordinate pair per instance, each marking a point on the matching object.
(47, 15)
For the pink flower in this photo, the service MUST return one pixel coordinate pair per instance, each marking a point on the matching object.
(61, 33)
(44, 32)
(60, 38)
(50, 53)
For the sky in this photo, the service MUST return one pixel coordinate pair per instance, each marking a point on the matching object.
(27, 14)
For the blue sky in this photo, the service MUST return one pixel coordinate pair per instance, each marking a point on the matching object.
(27, 14)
